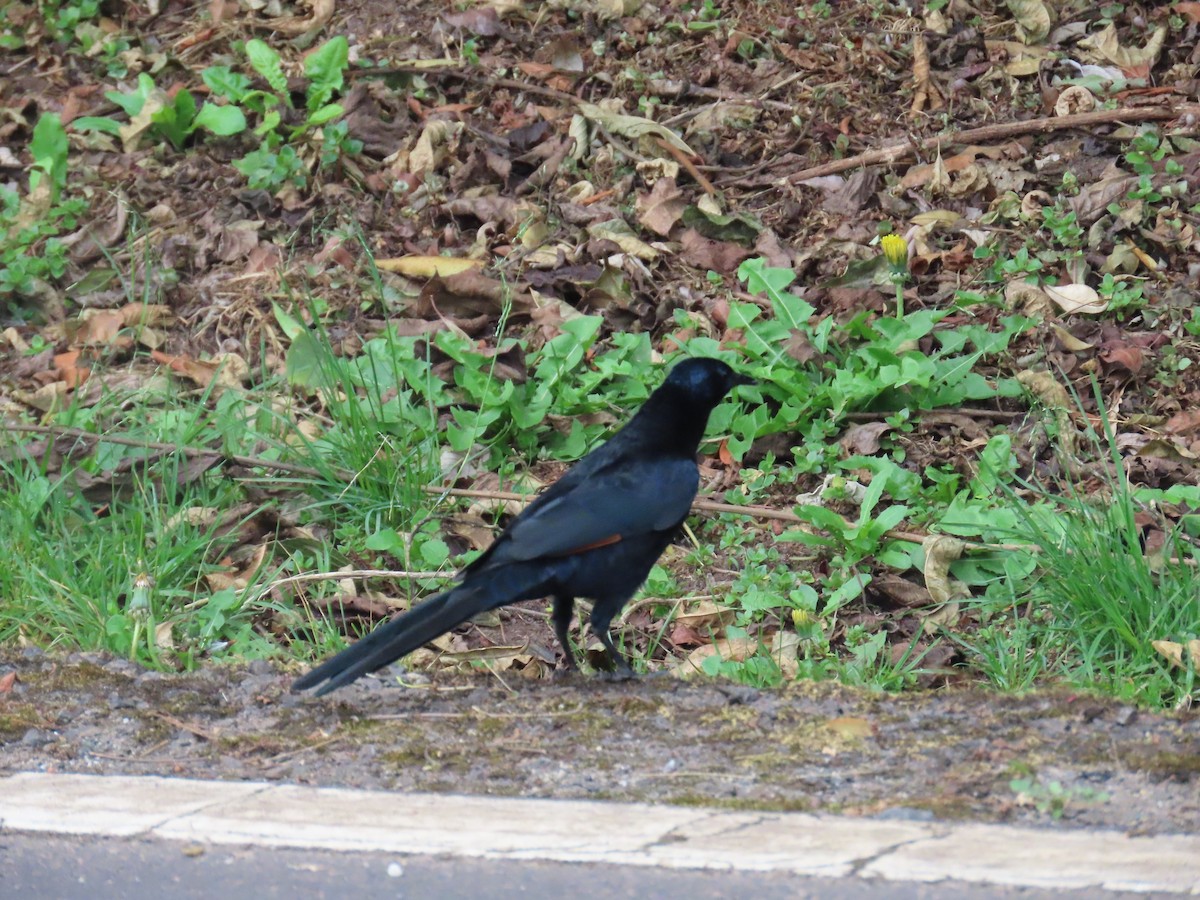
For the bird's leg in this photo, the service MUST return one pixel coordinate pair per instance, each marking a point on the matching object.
(602, 615)
(564, 609)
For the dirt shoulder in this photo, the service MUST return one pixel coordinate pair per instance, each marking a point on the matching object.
(813, 747)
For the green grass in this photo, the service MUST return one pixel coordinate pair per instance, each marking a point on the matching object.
(1107, 599)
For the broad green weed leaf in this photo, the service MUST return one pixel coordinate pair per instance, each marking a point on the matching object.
(266, 63)
(49, 149)
(224, 82)
(97, 123)
(220, 120)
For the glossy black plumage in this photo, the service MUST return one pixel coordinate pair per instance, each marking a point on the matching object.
(594, 533)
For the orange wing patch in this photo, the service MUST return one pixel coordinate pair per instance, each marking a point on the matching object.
(595, 545)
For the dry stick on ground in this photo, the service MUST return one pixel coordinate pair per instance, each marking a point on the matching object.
(754, 512)
(987, 133)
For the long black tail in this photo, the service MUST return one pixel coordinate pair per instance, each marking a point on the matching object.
(421, 624)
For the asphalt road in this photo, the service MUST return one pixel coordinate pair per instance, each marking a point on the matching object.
(37, 866)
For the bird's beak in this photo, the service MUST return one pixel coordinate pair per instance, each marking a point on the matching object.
(739, 378)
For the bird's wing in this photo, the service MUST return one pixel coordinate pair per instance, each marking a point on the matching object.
(634, 498)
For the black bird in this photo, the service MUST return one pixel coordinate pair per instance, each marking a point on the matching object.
(594, 533)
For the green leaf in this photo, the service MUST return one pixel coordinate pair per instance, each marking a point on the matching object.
(306, 362)
(386, 540)
(174, 121)
(259, 102)
(97, 123)
(291, 327)
(324, 68)
(760, 279)
(220, 120)
(434, 552)
(269, 123)
(133, 102)
(324, 114)
(851, 589)
(224, 82)
(49, 149)
(266, 63)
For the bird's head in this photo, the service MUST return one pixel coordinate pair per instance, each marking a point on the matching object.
(705, 381)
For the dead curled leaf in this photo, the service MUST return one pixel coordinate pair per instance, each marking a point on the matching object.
(863, 439)
(468, 294)
(1183, 423)
(1120, 355)
(661, 208)
(784, 647)
(634, 127)
(1172, 651)
(704, 253)
(900, 591)
(427, 266)
(322, 12)
(1075, 298)
(1136, 61)
(707, 614)
(1033, 19)
(940, 551)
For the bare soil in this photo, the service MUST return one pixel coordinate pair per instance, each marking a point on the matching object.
(815, 747)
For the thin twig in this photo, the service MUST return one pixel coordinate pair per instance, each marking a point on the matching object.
(249, 462)
(197, 730)
(355, 573)
(755, 512)
(989, 133)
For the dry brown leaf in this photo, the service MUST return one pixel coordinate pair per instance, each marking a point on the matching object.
(1183, 423)
(863, 439)
(220, 10)
(707, 615)
(1134, 61)
(1119, 354)
(7, 681)
(294, 25)
(97, 327)
(619, 232)
(467, 295)
(661, 208)
(736, 649)
(1172, 651)
(484, 22)
(703, 253)
(1069, 342)
(940, 551)
(45, 398)
(925, 92)
(427, 266)
(1093, 200)
(433, 146)
(68, 370)
(1075, 298)
(851, 727)
(163, 638)
(635, 128)
(228, 369)
(1075, 99)
(901, 592)
(1033, 19)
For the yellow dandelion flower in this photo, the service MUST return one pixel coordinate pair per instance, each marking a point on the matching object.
(895, 250)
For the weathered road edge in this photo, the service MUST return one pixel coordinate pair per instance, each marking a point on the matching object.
(261, 814)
